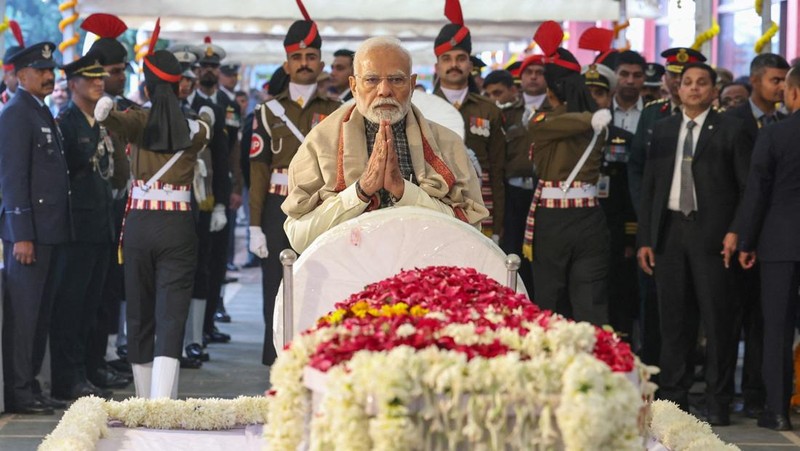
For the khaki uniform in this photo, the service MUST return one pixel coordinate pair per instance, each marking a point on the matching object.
(483, 125)
(571, 240)
(160, 246)
(273, 145)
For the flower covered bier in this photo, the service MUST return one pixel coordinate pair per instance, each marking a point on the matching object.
(441, 357)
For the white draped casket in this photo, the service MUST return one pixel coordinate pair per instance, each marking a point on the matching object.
(378, 245)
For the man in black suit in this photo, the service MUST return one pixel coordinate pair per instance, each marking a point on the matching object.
(767, 75)
(34, 219)
(770, 219)
(341, 71)
(692, 186)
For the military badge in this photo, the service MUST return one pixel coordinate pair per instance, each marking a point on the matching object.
(256, 145)
(682, 56)
(479, 126)
(47, 52)
(539, 117)
(317, 118)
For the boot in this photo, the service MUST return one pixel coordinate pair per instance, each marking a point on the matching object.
(142, 378)
(165, 378)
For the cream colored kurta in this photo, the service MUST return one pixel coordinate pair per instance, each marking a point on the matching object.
(321, 197)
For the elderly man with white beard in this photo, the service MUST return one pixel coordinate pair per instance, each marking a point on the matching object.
(378, 153)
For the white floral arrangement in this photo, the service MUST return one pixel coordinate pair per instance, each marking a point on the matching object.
(678, 430)
(88, 418)
(442, 358)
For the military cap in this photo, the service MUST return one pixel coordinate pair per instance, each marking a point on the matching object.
(557, 61)
(278, 82)
(302, 34)
(477, 64)
(653, 73)
(533, 60)
(599, 75)
(229, 69)
(108, 27)
(599, 40)
(208, 53)
(36, 56)
(10, 52)
(88, 66)
(677, 57)
(186, 58)
(453, 35)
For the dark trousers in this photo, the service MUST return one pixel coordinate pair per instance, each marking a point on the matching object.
(691, 280)
(779, 284)
(623, 299)
(650, 324)
(272, 220)
(160, 259)
(570, 262)
(108, 315)
(217, 268)
(750, 321)
(26, 320)
(201, 274)
(80, 273)
(518, 202)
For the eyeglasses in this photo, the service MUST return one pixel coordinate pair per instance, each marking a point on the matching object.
(372, 81)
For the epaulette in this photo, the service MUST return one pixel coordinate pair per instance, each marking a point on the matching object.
(719, 109)
(656, 102)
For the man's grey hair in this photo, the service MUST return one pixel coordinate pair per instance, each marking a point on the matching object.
(380, 42)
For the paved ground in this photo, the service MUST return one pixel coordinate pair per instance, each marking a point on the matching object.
(235, 368)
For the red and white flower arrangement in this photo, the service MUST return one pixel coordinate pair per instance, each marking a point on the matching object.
(443, 357)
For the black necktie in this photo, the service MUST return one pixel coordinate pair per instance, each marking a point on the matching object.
(686, 202)
(767, 119)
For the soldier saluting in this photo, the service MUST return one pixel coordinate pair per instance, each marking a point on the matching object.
(160, 244)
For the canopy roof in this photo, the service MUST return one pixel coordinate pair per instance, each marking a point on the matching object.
(252, 31)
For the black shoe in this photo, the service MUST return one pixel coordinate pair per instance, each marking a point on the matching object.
(122, 352)
(80, 390)
(222, 317)
(230, 280)
(776, 422)
(50, 402)
(253, 263)
(34, 407)
(752, 411)
(195, 351)
(231, 267)
(108, 378)
(121, 367)
(189, 363)
(217, 337)
(719, 419)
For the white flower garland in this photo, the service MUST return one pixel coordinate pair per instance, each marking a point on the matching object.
(435, 399)
(680, 431)
(87, 419)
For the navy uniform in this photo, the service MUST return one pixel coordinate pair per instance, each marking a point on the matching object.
(614, 196)
(110, 317)
(35, 191)
(273, 145)
(82, 265)
(483, 127)
(159, 241)
(653, 112)
(570, 247)
(227, 111)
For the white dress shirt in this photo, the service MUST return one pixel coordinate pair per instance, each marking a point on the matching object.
(627, 119)
(305, 91)
(674, 202)
(455, 96)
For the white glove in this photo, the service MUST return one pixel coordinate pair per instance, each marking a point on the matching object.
(207, 114)
(218, 218)
(601, 119)
(258, 242)
(102, 108)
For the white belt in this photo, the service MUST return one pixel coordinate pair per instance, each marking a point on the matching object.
(278, 178)
(584, 192)
(521, 182)
(161, 195)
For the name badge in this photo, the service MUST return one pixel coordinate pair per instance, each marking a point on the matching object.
(603, 186)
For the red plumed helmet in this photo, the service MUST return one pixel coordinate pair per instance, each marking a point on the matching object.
(104, 25)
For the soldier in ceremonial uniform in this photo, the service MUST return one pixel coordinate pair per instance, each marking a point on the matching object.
(482, 119)
(279, 127)
(35, 220)
(209, 58)
(111, 316)
(519, 174)
(82, 265)
(9, 84)
(614, 196)
(570, 247)
(159, 240)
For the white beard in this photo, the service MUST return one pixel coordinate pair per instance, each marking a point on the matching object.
(377, 115)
